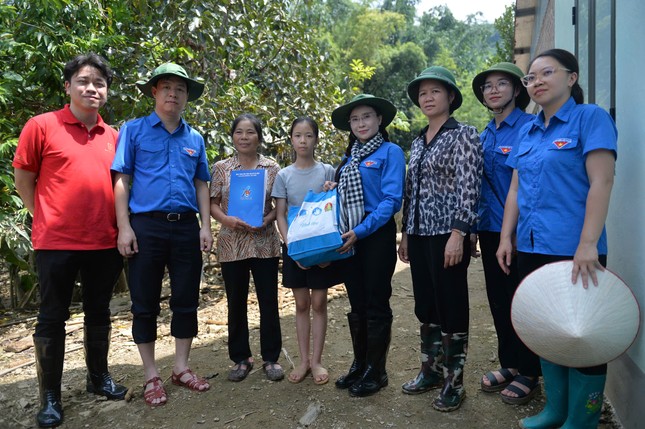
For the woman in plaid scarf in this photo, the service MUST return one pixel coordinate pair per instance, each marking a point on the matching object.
(370, 187)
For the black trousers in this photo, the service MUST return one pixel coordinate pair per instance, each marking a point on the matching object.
(368, 274)
(500, 289)
(57, 272)
(236, 280)
(440, 294)
(529, 262)
(172, 245)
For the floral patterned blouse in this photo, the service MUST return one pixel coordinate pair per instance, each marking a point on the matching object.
(236, 245)
(443, 181)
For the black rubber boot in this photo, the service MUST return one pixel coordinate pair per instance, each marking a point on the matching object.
(358, 332)
(455, 348)
(50, 353)
(99, 381)
(431, 374)
(379, 334)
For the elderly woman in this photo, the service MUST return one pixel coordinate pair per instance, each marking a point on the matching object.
(439, 209)
(242, 248)
(500, 89)
(370, 188)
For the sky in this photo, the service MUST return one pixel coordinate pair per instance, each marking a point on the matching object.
(462, 8)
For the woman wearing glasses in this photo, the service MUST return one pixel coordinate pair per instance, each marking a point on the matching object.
(370, 188)
(556, 207)
(500, 89)
(439, 209)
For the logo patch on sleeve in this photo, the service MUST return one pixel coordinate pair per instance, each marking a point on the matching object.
(189, 151)
(505, 149)
(560, 143)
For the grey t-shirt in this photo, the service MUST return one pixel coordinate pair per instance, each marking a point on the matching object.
(293, 183)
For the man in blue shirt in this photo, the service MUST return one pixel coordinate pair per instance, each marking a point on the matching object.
(166, 161)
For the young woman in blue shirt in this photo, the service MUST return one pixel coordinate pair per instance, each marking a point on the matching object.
(370, 187)
(500, 89)
(556, 208)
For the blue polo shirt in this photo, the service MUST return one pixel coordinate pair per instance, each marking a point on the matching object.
(163, 165)
(497, 144)
(553, 182)
(383, 177)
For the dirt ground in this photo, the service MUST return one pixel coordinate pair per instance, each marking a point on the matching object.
(256, 402)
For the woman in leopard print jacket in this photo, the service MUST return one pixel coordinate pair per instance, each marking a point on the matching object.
(439, 208)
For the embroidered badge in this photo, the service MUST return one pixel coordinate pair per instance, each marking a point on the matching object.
(328, 207)
(560, 143)
(505, 149)
(189, 151)
(369, 163)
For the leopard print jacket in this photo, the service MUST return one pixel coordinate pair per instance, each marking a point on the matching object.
(443, 181)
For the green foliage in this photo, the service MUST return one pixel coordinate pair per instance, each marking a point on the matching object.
(505, 45)
(277, 59)
(254, 56)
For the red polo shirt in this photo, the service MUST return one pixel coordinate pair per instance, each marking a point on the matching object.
(74, 197)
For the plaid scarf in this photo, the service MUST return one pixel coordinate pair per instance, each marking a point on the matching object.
(350, 185)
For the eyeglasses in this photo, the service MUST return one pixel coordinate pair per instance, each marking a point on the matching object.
(544, 74)
(355, 120)
(501, 85)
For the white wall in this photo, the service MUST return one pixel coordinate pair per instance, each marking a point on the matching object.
(625, 224)
(565, 32)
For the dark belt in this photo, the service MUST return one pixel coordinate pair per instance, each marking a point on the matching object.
(170, 217)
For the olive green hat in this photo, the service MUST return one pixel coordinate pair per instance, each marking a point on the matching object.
(435, 73)
(522, 99)
(195, 88)
(340, 116)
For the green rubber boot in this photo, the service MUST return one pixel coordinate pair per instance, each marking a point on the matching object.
(585, 400)
(455, 349)
(431, 374)
(556, 387)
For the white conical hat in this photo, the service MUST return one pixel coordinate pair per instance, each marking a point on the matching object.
(572, 326)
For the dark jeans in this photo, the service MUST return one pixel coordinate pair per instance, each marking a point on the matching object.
(236, 280)
(162, 244)
(529, 262)
(57, 273)
(368, 274)
(500, 289)
(440, 294)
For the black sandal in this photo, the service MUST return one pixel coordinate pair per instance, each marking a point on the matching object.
(522, 397)
(242, 370)
(495, 385)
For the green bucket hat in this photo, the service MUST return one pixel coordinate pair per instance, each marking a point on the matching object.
(435, 73)
(522, 99)
(340, 115)
(195, 88)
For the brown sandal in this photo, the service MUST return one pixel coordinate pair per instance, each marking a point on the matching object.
(157, 392)
(193, 383)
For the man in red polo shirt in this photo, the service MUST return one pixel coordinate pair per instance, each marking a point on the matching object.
(62, 173)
